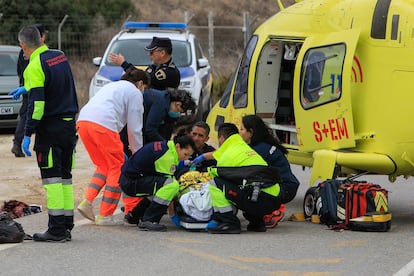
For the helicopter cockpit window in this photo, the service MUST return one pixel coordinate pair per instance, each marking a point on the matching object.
(321, 77)
(224, 100)
(240, 89)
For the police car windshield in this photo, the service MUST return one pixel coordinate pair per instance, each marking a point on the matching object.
(134, 52)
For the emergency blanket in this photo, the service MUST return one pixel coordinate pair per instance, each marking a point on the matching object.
(195, 199)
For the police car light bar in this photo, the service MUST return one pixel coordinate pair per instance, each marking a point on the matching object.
(160, 25)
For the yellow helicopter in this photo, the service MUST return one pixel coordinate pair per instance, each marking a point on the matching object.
(335, 80)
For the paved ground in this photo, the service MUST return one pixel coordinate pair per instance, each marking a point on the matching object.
(20, 177)
(291, 249)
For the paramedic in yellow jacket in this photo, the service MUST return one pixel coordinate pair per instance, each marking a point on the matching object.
(52, 107)
(234, 152)
(149, 173)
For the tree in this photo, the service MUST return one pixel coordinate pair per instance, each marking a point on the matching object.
(82, 19)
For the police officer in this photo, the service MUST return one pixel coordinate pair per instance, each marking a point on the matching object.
(225, 191)
(149, 172)
(164, 74)
(52, 107)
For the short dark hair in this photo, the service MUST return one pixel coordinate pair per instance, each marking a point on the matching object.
(42, 28)
(183, 96)
(203, 125)
(133, 75)
(185, 141)
(227, 129)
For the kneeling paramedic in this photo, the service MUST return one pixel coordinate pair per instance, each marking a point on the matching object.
(149, 173)
(243, 179)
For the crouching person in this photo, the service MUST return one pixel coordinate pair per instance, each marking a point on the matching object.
(149, 173)
(243, 179)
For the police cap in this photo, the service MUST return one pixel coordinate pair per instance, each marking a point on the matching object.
(159, 42)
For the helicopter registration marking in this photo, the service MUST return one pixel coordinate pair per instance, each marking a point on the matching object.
(334, 129)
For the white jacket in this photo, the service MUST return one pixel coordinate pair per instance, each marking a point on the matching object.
(117, 104)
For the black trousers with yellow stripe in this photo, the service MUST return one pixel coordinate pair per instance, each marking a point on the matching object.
(55, 146)
(253, 211)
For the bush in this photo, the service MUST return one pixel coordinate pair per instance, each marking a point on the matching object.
(219, 85)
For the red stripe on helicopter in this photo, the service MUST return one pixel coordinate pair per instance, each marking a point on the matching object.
(357, 72)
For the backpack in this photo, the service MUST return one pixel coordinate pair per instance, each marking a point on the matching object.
(10, 230)
(328, 191)
(363, 206)
(354, 205)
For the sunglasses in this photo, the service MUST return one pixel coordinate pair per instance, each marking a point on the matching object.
(153, 51)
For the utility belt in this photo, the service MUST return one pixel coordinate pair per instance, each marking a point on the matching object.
(253, 189)
(252, 179)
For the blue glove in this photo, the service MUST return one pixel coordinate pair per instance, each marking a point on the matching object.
(26, 144)
(176, 220)
(17, 92)
(211, 225)
(198, 159)
(183, 163)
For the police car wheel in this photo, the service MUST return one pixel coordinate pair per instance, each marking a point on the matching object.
(309, 202)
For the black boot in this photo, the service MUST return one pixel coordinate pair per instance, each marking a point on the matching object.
(152, 216)
(47, 237)
(154, 212)
(135, 215)
(228, 223)
(56, 231)
(256, 224)
(17, 150)
(69, 226)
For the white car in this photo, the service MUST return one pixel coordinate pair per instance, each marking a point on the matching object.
(187, 55)
(9, 80)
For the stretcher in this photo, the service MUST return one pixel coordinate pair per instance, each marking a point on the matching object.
(193, 182)
(191, 224)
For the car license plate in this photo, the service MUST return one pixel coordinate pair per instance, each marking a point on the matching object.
(6, 110)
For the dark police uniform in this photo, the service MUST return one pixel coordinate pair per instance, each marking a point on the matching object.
(22, 63)
(163, 76)
(52, 107)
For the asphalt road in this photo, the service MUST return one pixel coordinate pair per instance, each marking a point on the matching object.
(292, 248)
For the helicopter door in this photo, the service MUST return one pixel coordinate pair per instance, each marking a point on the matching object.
(322, 98)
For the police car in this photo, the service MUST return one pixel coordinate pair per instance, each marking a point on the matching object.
(9, 80)
(187, 55)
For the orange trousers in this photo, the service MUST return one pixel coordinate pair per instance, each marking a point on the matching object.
(106, 152)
